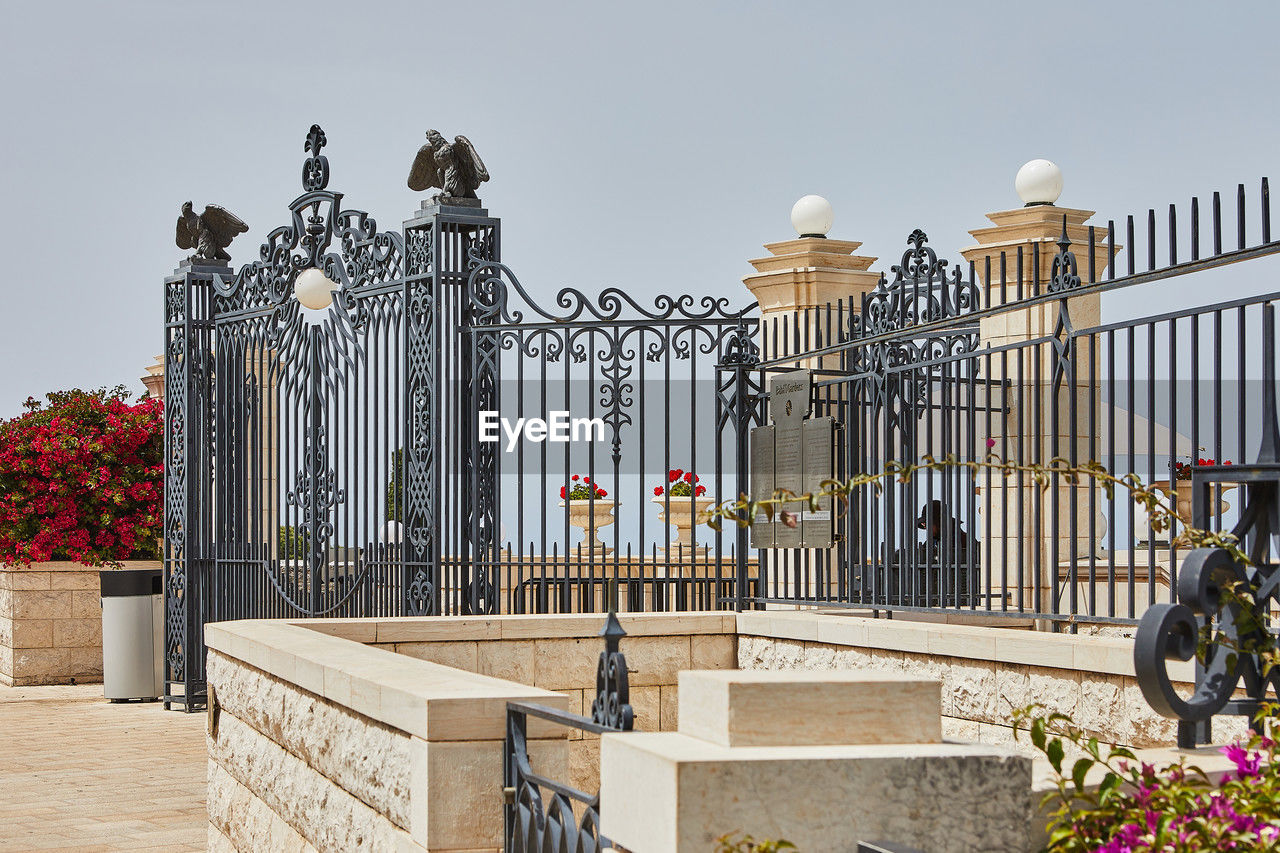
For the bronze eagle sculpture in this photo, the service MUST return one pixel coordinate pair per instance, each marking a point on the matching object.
(209, 233)
(454, 167)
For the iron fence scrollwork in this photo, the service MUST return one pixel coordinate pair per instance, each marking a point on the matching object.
(1223, 615)
(544, 815)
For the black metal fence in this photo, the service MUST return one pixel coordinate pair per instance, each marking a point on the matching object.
(1011, 358)
(543, 815)
(334, 462)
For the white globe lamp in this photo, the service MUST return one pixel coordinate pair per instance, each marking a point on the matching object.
(392, 533)
(811, 216)
(314, 289)
(1038, 182)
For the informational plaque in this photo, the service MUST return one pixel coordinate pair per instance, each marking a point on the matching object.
(816, 529)
(795, 454)
(762, 534)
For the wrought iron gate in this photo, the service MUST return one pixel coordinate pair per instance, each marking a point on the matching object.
(329, 462)
(660, 408)
(309, 464)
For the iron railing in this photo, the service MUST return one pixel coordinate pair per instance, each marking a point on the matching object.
(1232, 601)
(331, 464)
(939, 363)
(543, 815)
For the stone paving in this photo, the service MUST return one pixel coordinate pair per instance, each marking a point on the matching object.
(79, 773)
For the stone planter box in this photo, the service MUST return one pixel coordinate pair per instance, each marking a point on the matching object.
(51, 623)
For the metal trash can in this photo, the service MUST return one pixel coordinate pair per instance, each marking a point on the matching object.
(132, 634)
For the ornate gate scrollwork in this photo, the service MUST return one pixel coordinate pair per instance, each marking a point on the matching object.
(1223, 615)
(1234, 629)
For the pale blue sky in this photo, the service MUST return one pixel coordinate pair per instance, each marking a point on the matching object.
(652, 147)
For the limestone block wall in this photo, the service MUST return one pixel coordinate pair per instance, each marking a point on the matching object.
(320, 743)
(560, 653)
(51, 623)
(274, 749)
(985, 672)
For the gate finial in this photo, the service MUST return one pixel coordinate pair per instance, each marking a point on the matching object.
(315, 170)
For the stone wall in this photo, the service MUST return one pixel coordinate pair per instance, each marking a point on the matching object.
(51, 623)
(320, 743)
(985, 672)
(388, 734)
(561, 652)
(277, 753)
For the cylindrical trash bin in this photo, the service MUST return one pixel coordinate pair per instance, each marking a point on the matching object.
(132, 634)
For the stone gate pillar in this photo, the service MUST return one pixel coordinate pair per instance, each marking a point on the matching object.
(808, 289)
(1014, 260)
(799, 278)
(153, 378)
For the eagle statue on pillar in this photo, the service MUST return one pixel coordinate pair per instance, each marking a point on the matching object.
(454, 167)
(209, 233)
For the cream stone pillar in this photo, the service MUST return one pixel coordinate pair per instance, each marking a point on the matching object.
(799, 278)
(1020, 531)
(807, 289)
(262, 368)
(153, 378)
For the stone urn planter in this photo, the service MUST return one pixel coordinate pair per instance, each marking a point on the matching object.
(51, 623)
(685, 512)
(589, 517)
(1181, 492)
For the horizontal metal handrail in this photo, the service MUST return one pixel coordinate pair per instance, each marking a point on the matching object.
(564, 718)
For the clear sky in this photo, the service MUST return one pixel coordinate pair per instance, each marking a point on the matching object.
(650, 146)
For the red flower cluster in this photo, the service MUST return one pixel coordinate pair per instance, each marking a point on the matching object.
(1182, 470)
(81, 479)
(682, 485)
(582, 491)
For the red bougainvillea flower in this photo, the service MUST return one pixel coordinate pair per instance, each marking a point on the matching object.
(81, 478)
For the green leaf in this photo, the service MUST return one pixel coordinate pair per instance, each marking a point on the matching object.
(1079, 771)
(1110, 783)
(1061, 832)
(1037, 733)
(1054, 751)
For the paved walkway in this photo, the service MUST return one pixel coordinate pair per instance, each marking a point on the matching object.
(79, 773)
